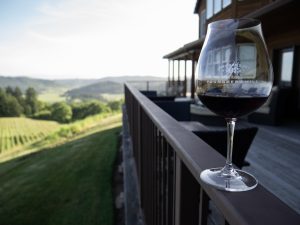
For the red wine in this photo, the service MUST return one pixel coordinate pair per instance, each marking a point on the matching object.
(232, 107)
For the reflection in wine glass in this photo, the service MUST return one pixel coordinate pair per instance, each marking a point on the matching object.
(235, 77)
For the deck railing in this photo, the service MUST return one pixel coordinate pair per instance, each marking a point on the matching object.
(169, 160)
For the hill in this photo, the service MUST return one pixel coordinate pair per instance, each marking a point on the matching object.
(123, 79)
(23, 83)
(114, 85)
(95, 90)
(57, 90)
(74, 83)
(42, 85)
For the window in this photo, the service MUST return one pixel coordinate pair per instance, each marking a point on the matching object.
(202, 30)
(286, 71)
(247, 58)
(210, 66)
(217, 61)
(226, 53)
(217, 6)
(226, 3)
(209, 8)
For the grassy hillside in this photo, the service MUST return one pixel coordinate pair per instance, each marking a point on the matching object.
(66, 184)
(24, 82)
(52, 96)
(123, 79)
(95, 90)
(75, 83)
(43, 85)
(18, 132)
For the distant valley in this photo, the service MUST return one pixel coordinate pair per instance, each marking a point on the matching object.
(59, 90)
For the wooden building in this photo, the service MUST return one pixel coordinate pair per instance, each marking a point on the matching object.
(281, 28)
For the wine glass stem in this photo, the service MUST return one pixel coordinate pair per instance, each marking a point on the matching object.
(228, 169)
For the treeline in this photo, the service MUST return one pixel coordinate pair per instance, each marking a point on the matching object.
(13, 103)
(64, 113)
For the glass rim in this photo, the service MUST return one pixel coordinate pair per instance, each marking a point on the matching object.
(234, 24)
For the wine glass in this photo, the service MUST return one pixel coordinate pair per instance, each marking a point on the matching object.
(235, 77)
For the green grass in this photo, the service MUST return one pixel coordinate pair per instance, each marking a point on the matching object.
(112, 97)
(53, 95)
(66, 184)
(17, 132)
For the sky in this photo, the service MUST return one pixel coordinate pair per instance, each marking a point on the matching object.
(61, 39)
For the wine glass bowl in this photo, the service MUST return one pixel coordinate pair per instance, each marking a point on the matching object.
(235, 77)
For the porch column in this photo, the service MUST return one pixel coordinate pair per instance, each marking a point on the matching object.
(185, 79)
(178, 78)
(169, 73)
(193, 77)
(173, 78)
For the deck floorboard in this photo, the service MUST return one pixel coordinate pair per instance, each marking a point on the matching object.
(274, 158)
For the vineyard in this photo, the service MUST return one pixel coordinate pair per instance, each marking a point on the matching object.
(16, 132)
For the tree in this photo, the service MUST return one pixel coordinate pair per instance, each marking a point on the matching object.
(13, 108)
(31, 100)
(17, 93)
(85, 109)
(61, 112)
(2, 102)
(115, 105)
(9, 90)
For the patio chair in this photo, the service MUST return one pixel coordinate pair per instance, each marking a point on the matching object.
(179, 110)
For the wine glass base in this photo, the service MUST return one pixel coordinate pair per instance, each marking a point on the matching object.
(243, 181)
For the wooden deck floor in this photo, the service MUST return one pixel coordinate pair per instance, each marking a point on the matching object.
(274, 158)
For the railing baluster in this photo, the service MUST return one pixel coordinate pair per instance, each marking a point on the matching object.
(151, 186)
(155, 177)
(163, 185)
(177, 189)
(187, 198)
(159, 184)
(167, 178)
(203, 207)
(170, 184)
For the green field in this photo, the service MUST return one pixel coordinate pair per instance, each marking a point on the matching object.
(112, 97)
(17, 132)
(69, 183)
(52, 95)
